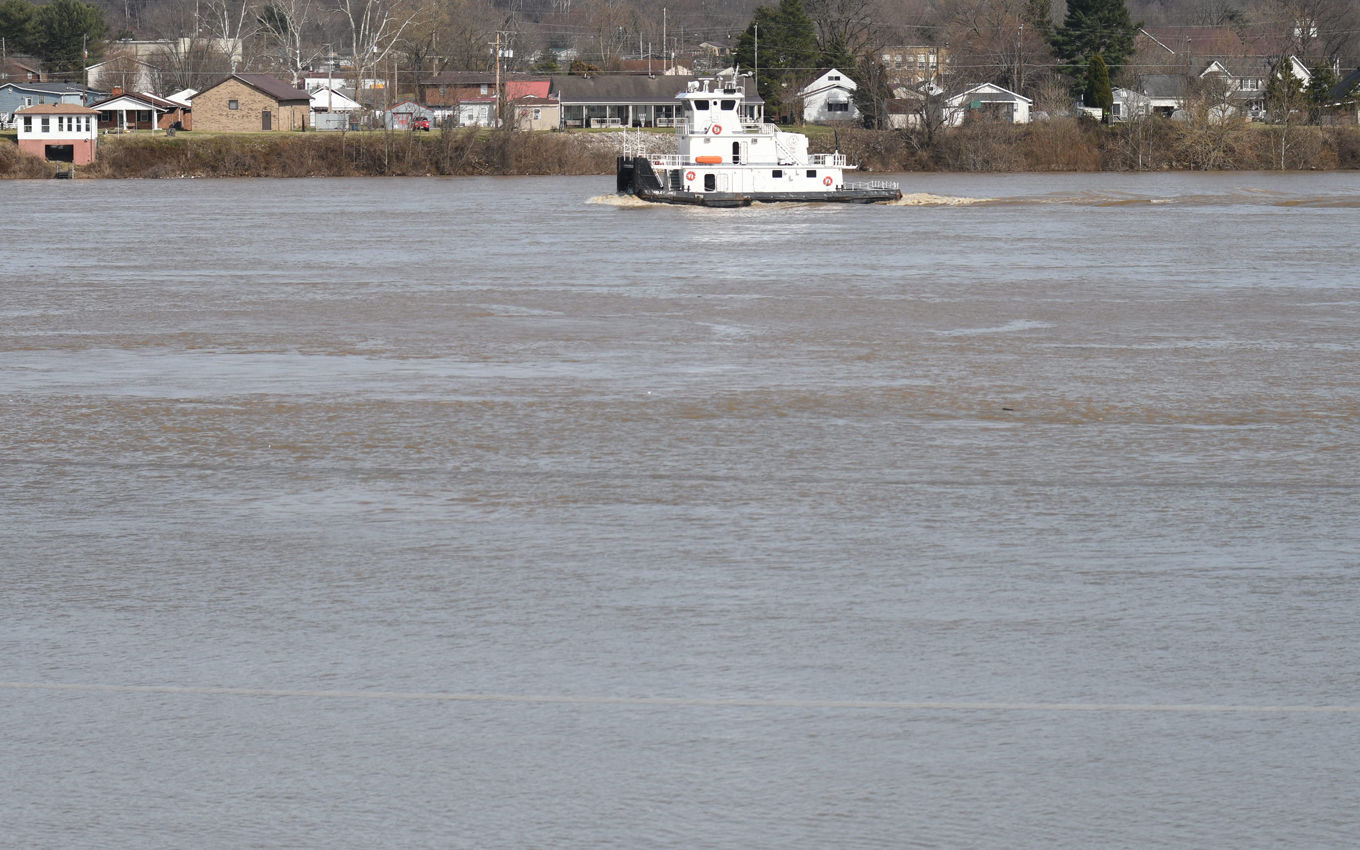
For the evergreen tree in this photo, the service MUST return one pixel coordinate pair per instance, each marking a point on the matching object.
(1320, 84)
(62, 30)
(1097, 91)
(1095, 27)
(836, 54)
(780, 44)
(1284, 95)
(16, 22)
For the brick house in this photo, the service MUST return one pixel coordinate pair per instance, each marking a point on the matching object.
(141, 111)
(453, 87)
(251, 103)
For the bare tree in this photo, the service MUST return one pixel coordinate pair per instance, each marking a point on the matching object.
(187, 63)
(461, 32)
(994, 41)
(232, 22)
(284, 23)
(121, 68)
(1210, 123)
(374, 28)
(1315, 29)
(850, 23)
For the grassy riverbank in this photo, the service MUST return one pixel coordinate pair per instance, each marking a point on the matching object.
(1057, 145)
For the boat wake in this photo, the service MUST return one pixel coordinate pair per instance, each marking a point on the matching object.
(923, 199)
(619, 201)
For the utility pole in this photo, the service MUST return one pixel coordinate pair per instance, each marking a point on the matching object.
(496, 120)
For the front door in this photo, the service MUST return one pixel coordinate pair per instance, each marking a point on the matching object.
(266, 120)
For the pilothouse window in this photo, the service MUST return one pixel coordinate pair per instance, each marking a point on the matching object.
(701, 105)
(729, 105)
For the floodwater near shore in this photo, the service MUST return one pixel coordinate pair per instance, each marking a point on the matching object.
(501, 513)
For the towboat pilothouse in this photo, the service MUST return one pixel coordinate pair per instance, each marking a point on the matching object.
(722, 161)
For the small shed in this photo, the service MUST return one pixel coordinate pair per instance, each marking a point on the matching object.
(58, 132)
(404, 115)
(536, 113)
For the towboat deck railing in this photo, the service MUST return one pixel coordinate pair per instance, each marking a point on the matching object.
(873, 184)
(827, 159)
(667, 160)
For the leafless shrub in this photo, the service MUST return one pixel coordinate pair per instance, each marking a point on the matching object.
(981, 144)
(17, 164)
(1060, 144)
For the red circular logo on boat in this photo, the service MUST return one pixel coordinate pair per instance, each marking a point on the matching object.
(826, 181)
(689, 175)
(717, 129)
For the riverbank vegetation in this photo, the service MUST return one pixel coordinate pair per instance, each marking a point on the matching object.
(1063, 144)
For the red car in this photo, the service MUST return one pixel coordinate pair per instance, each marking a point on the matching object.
(420, 124)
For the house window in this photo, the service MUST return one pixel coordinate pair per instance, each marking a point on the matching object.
(485, 90)
(28, 101)
(777, 173)
(28, 123)
(538, 113)
(46, 124)
(834, 106)
(833, 77)
(233, 104)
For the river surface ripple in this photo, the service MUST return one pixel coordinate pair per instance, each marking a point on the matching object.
(501, 513)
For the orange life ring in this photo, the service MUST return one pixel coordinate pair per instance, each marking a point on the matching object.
(717, 129)
(826, 181)
(689, 175)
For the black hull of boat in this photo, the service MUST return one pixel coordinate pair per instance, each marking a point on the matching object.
(636, 177)
(745, 199)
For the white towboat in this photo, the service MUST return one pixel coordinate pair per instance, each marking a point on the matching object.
(725, 162)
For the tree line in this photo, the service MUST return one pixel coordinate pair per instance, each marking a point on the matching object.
(1024, 45)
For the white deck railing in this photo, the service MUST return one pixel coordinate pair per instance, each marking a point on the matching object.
(873, 184)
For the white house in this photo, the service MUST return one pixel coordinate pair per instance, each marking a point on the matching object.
(988, 100)
(830, 97)
(183, 97)
(330, 100)
(1154, 94)
(58, 132)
